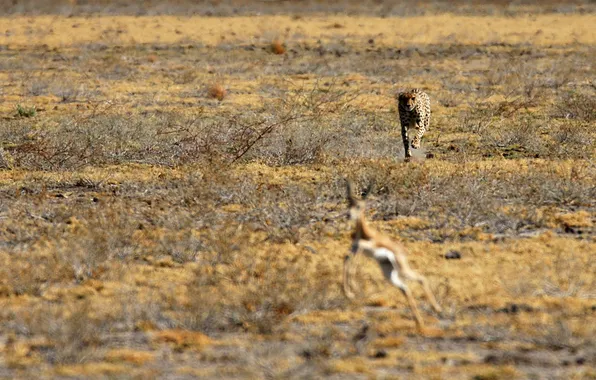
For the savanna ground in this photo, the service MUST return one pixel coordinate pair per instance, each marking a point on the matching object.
(172, 198)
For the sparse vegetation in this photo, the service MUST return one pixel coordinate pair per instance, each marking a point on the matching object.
(174, 203)
(26, 111)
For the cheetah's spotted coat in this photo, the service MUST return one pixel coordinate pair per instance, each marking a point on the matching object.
(414, 111)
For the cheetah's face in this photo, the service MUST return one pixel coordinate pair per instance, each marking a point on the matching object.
(408, 100)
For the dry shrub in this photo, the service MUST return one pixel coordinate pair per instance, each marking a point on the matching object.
(186, 77)
(521, 138)
(71, 245)
(72, 334)
(518, 77)
(29, 276)
(293, 111)
(298, 144)
(572, 139)
(512, 130)
(485, 115)
(216, 91)
(278, 47)
(472, 197)
(251, 291)
(576, 105)
(101, 137)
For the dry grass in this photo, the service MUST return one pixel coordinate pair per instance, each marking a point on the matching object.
(148, 228)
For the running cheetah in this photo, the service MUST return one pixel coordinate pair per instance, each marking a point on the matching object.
(414, 111)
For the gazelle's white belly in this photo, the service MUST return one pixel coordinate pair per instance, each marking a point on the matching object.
(383, 254)
(386, 260)
(380, 254)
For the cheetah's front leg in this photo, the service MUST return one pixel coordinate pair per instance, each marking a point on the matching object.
(419, 133)
(406, 140)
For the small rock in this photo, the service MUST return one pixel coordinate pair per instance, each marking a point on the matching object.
(307, 354)
(380, 354)
(453, 255)
(310, 249)
(491, 359)
(513, 308)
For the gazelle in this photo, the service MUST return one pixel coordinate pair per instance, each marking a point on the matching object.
(390, 255)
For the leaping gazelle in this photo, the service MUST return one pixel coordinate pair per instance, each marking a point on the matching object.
(390, 255)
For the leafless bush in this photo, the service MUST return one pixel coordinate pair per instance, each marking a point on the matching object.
(37, 87)
(484, 115)
(100, 137)
(571, 139)
(517, 77)
(68, 93)
(286, 213)
(304, 143)
(576, 105)
(570, 189)
(520, 138)
(312, 105)
(510, 129)
(72, 335)
(27, 277)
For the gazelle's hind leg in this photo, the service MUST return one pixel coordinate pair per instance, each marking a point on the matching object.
(409, 274)
(391, 274)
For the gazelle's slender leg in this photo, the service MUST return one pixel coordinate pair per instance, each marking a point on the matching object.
(348, 271)
(347, 287)
(408, 273)
(391, 274)
(406, 291)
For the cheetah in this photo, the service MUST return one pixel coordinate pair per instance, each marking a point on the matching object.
(414, 111)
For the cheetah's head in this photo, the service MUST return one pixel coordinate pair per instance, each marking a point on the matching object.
(408, 100)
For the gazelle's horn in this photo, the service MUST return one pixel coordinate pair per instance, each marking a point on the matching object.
(368, 189)
(351, 199)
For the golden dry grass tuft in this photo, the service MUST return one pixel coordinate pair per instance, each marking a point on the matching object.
(278, 47)
(182, 338)
(217, 91)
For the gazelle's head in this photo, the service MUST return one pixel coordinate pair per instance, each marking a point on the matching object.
(357, 206)
(407, 100)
